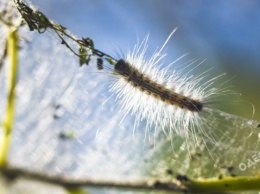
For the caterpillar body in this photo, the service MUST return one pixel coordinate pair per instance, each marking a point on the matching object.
(158, 91)
(166, 100)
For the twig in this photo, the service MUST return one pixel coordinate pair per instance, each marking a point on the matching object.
(36, 20)
(149, 184)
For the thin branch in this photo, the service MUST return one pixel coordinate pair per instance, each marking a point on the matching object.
(179, 184)
(36, 20)
(149, 184)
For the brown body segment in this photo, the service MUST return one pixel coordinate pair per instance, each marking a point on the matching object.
(145, 84)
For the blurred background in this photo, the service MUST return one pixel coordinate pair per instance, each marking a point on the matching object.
(225, 33)
(56, 98)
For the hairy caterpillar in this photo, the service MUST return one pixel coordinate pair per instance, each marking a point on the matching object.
(166, 100)
(170, 100)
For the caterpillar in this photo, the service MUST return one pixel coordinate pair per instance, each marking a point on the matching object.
(166, 100)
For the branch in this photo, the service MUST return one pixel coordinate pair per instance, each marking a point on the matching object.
(148, 184)
(179, 184)
(36, 20)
